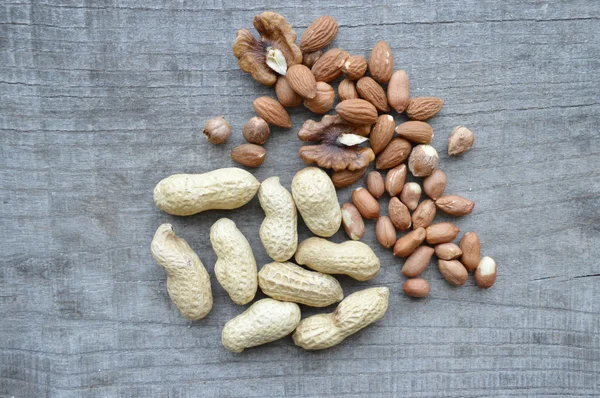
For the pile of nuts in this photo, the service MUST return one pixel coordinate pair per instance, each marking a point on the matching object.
(346, 142)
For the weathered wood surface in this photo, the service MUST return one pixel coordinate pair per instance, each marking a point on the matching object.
(99, 100)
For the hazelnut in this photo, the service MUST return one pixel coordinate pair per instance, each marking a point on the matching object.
(256, 131)
(217, 130)
(309, 59)
(423, 160)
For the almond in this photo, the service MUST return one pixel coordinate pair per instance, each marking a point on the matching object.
(485, 275)
(382, 133)
(329, 66)
(318, 34)
(381, 62)
(441, 233)
(347, 90)
(417, 262)
(302, 81)
(366, 204)
(423, 160)
(346, 177)
(394, 181)
(410, 195)
(423, 108)
(408, 243)
(352, 221)
(272, 111)
(398, 91)
(471, 251)
(395, 153)
(453, 271)
(309, 59)
(385, 232)
(355, 67)
(357, 111)
(460, 140)
(448, 251)
(435, 184)
(323, 100)
(249, 155)
(455, 205)
(375, 184)
(371, 91)
(416, 287)
(399, 214)
(415, 131)
(285, 94)
(424, 214)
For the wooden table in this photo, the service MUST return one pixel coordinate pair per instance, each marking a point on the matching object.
(99, 100)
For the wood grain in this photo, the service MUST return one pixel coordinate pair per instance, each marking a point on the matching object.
(99, 100)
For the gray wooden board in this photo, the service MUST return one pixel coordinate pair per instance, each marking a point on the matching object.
(99, 100)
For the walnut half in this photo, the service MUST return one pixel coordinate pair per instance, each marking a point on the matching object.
(275, 51)
(338, 144)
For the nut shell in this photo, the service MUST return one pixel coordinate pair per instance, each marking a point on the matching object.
(188, 283)
(235, 268)
(264, 321)
(351, 258)
(288, 282)
(316, 200)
